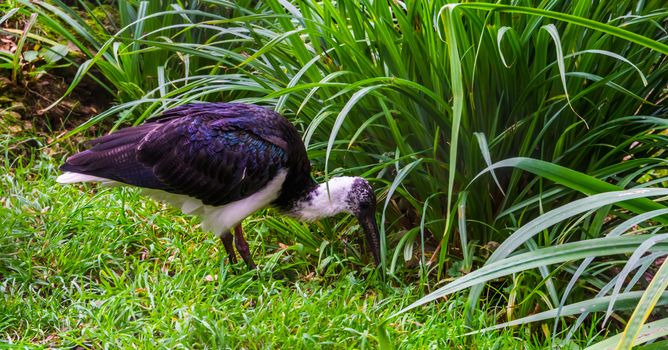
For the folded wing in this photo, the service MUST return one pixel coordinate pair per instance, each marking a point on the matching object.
(214, 155)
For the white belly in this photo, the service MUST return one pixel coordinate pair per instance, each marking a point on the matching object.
(215, 219)
(220, 219)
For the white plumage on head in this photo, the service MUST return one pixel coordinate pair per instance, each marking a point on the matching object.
(328, 199)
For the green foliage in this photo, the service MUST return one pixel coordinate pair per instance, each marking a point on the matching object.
(422, 97)
(644, 236)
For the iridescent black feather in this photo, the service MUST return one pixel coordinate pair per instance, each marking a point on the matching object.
(216, 152)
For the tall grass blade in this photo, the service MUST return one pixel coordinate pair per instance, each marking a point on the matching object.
(581, 21)
(552, 30)
(625, 301)
(8, 15)
(540, 257)
(630, 264)
(645, 306)
(401, 175)
(457, 108)
(18, 54)
(575, 180)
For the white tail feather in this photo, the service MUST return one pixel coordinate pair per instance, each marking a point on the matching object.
(69, 177)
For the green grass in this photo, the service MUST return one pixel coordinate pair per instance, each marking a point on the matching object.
(566, 99)
(108, 268)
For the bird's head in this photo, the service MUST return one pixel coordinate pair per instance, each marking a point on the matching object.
(361, 201)
(347, 194)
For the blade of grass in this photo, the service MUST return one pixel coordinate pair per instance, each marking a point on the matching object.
(457, 109)
(575, 180)
(540, 257)
(18, 54)
(625, 301)
(628, 266)
(645, 306)
(401, 175)
(581, 21)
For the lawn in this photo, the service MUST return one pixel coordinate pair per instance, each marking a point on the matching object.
(108, 268)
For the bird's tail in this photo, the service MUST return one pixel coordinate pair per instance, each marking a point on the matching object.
(111, 160)
(70, 177)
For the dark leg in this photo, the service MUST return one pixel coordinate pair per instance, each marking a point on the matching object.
(227, 242)
(242, 247)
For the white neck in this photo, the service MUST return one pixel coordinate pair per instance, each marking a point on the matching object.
(327, 199)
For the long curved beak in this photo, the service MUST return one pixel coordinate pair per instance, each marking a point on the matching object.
(368, 222)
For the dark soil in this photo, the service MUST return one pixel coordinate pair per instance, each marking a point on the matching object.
(30, 97)
(27, 129)
(37, 86)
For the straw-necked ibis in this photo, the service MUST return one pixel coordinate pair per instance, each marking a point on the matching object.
(223, 162)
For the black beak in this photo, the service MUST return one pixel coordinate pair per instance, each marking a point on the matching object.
(367, 220)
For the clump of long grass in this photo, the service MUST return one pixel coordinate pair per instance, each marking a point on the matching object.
(422, 96)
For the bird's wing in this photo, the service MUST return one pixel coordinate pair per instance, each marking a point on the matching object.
(215, 159)
(260, 121)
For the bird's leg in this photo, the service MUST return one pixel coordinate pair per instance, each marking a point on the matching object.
(229, 248)
(242, 247)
